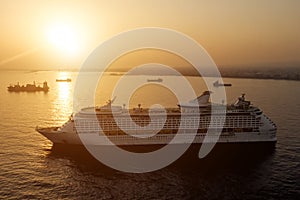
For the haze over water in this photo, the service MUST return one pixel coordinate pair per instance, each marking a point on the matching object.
(246, 39)
(31, 169)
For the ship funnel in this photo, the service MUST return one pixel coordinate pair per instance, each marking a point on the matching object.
(203, 98)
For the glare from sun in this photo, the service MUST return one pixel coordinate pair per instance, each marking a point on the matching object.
(64, 38)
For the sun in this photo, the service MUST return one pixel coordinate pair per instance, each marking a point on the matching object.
(64, 38)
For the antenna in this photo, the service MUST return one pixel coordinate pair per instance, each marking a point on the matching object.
(113, 99)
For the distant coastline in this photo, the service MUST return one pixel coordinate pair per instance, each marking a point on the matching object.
(262, 73)
(275, 73)
(262, 77)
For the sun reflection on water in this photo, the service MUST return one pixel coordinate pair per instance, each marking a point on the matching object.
(64, 92)
(63, 102)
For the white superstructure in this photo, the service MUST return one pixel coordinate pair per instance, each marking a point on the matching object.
(242, 123)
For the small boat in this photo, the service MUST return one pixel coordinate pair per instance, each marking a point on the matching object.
(115, 74)
(64, 80)
(155, 80)
(28, 88)
(217, 84)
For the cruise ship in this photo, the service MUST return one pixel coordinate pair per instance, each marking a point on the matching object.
(142, 127)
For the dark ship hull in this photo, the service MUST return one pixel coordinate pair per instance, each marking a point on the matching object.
(28, 88)
(64, 80)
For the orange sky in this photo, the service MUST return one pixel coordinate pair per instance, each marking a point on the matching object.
(234, 32)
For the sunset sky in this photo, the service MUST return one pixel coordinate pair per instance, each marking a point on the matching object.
(59, 34)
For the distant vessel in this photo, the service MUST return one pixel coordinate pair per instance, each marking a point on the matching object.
(155, 80)
(28, 88)
(244, 123)
(115, 74)
(217, 84)
(64, 80)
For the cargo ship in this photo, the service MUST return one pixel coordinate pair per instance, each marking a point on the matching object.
(28, 88)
